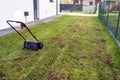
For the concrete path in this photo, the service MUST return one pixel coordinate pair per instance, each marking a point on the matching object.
(46, 20)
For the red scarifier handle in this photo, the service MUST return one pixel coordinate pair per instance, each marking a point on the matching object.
(23, 25)
(9, 21)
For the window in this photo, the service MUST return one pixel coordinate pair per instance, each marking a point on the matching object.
(81, 1)
(75, 2)
(51, 0)
(91, 3)
(97, 1)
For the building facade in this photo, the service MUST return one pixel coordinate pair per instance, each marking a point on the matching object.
(39, 9)
(36, 10)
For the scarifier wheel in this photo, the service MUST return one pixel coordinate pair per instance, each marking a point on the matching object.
(41, 45)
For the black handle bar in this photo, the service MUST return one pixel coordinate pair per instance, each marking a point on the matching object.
(23, 25)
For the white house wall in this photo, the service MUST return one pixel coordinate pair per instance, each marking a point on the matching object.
(117, 1)
(47, 8)
(14, 10)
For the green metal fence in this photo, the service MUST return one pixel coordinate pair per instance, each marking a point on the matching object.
(109, 13)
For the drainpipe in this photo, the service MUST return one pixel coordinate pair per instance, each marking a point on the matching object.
(71, 5)
(108, 12)
(56, 7)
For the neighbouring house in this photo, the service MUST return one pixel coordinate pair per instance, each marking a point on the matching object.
(113, 5)
(35, 10)
(84, 6)
(112, 2)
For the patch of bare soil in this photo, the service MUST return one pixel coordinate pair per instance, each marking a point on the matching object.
(109, 62)
(2, 74)
(99, 41)
(58, 75)
(83, 56)
(73, 30)
(57, 38)
(80, 57)
(85, 21)
(77, 25)
(59, 41)
(81, 29)
(23, 57)
(83, 64)
(97, 29)
(73, 42)
(69, 26)
(105, 59)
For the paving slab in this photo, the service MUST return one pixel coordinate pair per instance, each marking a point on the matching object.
(6, 31)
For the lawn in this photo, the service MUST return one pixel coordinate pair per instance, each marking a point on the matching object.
(75, 48)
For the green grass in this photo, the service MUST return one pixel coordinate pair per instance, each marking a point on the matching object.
(75, 48)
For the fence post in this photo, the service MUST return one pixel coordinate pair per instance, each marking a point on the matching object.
(117, 25)
(99, 9)
(108, 13)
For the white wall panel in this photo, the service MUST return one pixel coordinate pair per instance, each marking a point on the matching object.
(47, 8)
(14, 10)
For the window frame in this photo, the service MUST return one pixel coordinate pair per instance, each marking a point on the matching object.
(51, 1)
